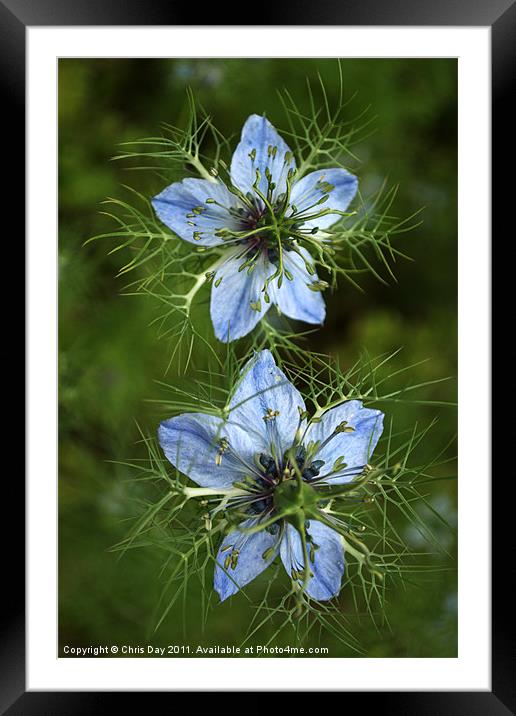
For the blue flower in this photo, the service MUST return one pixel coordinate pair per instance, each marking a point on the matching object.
(261, 223)
(275, 471)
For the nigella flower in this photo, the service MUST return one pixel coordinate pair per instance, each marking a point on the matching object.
(275, 471)
(264, 220)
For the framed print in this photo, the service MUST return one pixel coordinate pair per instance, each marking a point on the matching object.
(258, 269)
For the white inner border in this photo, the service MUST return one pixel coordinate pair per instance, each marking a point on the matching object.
(471, 670)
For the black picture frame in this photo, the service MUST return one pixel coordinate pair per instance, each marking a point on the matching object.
(15, 17)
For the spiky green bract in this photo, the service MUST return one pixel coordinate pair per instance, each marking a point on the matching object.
(372, 513)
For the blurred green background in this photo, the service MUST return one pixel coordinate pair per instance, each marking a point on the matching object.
(110, 358)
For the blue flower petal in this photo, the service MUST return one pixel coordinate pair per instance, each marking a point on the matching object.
(328, 564)
(228, 580)
(312, 187)
(182, 207)
(237, 302)
(294, 298)
(355, 448)
(260, 137)
(264, 389)
(191, 442)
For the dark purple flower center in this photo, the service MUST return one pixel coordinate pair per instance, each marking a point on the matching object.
(274, 473)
